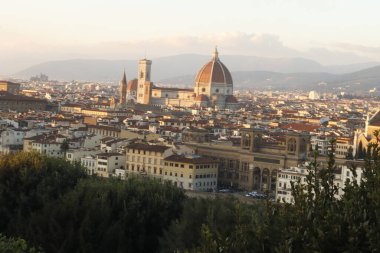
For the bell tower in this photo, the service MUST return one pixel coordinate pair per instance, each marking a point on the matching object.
(123, 91)
(144, 86)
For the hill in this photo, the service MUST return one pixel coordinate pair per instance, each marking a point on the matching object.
(178, 65)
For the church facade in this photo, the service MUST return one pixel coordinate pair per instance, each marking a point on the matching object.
(213, 88)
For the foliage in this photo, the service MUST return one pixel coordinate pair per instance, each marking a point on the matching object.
(53, 204)
(28, 181)
(107, 216)
(65, 146)
(218, 225)
(14, 245)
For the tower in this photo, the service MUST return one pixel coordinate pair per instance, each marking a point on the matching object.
(144, 86)
(123, 90)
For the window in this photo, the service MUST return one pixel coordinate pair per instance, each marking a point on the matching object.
(203, 89)
(217, 90)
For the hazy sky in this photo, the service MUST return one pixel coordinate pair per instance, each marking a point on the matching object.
(329, 31)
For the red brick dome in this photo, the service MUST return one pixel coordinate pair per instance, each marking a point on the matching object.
(214, 72)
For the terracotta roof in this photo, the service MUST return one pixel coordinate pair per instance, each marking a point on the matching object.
(301, 127)
(147, 147)
(214, 71)
(173, 89)
(192, 160)
(132, 85)
(4, 95)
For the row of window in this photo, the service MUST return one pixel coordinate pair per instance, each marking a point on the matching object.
(143, 159)
(139, 151)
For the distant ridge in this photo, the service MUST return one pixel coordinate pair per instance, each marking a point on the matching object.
(165, 68)
(359, 81)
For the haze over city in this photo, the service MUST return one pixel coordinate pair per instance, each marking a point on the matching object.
(327, 31)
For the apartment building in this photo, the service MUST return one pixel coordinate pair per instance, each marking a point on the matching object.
(146, 159)
(187, 171)
(298, 174)
(191, 172)
(107, 163)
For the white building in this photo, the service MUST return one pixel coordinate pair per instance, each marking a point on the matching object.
(323, 145)
(108, 163)
(11, 140)
(294, 174)
(313, 95)
(89, 162)
(75, 155)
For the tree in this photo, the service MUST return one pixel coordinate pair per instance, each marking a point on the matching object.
(64, 147)
(14, 245)
(107, 216)
(350, 152)
(28, 181)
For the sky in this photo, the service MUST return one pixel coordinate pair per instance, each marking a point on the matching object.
(328, 31)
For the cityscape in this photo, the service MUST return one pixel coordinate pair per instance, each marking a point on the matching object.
(203, 149)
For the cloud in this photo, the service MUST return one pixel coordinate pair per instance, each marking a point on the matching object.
(337, 56)
(360, 49)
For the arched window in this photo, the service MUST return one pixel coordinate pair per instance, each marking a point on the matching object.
(247, 140)
(217, 90)
(203, 89)
(292, 145)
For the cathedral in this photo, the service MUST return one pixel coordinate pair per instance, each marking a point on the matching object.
(213, 88)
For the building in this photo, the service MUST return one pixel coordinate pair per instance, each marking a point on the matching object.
(187, 171)
(145, 159)
(191, 172)
(298, 174)
(313, 95)
(13, 88)
(253, 165)
(108, 163)
(213, 88)
(11, 140)
(104, 131)
(19, 103)
(363, 137)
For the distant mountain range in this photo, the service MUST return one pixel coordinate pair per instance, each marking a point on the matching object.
(359, 81)
(247, 71)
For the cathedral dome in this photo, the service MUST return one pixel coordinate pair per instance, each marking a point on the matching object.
(214, 72)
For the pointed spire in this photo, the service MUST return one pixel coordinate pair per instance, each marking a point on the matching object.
(215, 55)
(124, 80)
